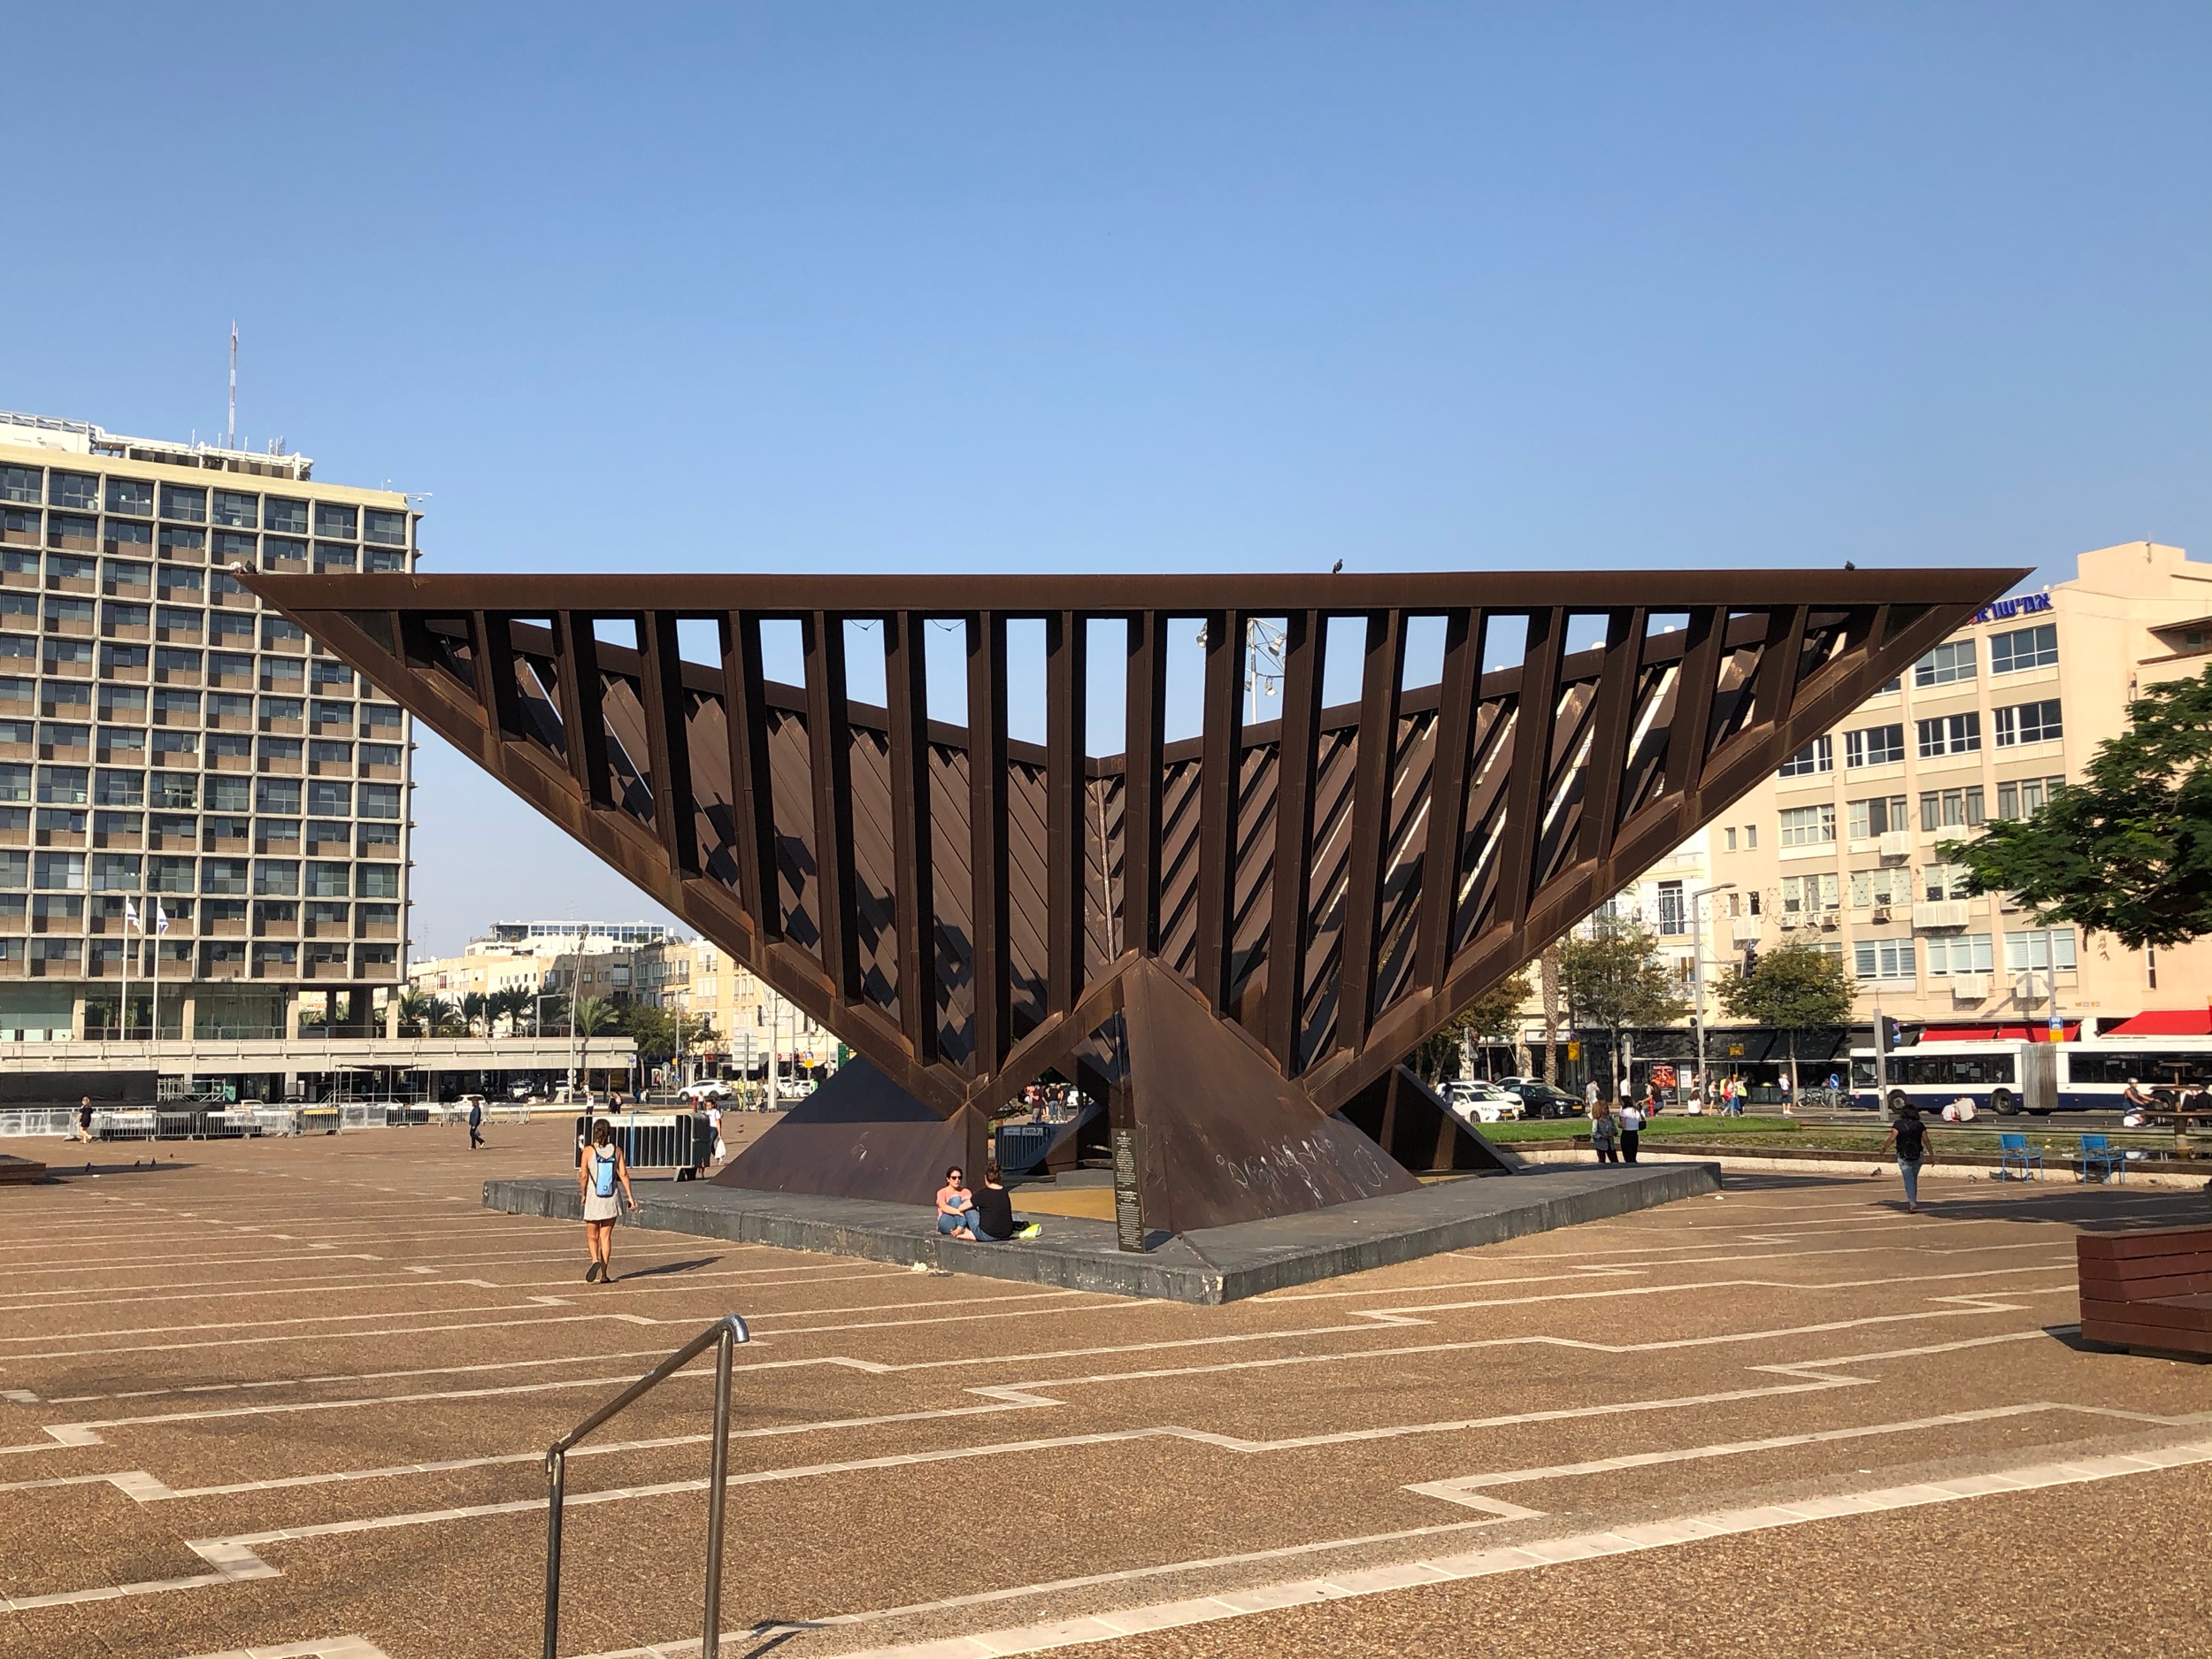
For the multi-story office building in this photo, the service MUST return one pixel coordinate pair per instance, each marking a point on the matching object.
(1841, 849)
(746, 1021)
(167, 746)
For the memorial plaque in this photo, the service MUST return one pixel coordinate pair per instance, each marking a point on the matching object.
(1128, 1211)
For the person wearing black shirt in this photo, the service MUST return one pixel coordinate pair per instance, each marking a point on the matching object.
(1910, 1135)
(994, 1212)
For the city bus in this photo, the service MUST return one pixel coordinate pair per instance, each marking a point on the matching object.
(2011, 1076)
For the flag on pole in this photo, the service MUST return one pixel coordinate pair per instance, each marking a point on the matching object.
(130, 916)
(161, 918)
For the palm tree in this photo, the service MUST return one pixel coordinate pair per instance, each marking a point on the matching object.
(510, 1005)
(414, 1010)
(475, 1010)
(591, 1016)
(440, 1016)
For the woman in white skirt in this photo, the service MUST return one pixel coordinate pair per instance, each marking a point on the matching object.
(602, 1176)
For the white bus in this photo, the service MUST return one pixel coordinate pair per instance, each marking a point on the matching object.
(2013, 1076)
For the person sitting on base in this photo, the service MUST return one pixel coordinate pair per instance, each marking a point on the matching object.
(992, 1220)
(956, 1206)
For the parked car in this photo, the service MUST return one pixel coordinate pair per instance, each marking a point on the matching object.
(710, 1089)
(1539, 1099)
(1482, 1103)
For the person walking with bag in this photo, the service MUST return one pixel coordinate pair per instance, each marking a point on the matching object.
(1605, 1132)
(1631, 1130)
(602, 1176)
(1909, 1136)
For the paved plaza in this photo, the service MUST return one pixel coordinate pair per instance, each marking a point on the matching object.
(292, 1398)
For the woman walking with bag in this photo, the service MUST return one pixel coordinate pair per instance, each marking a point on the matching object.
(602, 1176)
(1605, 1132)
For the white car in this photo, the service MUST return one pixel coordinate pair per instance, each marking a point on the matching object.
(700, 1094)
(1482, 1103)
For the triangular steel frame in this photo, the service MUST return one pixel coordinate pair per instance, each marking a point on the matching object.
(961, 907)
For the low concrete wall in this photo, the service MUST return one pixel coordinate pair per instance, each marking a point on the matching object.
(1835, 1166)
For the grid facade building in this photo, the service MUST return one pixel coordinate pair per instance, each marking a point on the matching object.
(167, 745)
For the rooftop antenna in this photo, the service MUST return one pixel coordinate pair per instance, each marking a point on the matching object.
(230, 433)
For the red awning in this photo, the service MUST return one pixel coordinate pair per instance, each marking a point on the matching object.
(2165, 1022)
(2070, 1030)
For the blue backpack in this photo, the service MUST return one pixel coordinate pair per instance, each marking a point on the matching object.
(602, 1172)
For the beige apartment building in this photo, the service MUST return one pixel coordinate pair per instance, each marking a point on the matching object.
(1839, 849)
(748, 1020)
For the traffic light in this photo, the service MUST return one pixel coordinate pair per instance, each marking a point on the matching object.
(1750, 958)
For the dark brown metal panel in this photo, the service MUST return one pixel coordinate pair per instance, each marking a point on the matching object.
(1531, 751)
(1699, 678)
(1145, 712)
(986, 832)
(496, 686)
(580, 714)
(1219, 780)
(1608, 744)
(669, 742)
(1776, 684)
(1382, 666)
(906, 680)
(1447, 791)
(829, 735)
(745, 709)
(1066, 684)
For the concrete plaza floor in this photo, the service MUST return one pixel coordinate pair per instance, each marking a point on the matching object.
(292, 1397)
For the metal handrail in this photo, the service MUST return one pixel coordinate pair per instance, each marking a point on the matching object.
(723, 1335)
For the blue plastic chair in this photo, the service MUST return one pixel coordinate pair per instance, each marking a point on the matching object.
(2100, 1158)
(2014, 1153)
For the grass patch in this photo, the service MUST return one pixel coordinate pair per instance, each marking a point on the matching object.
(1665, 1126)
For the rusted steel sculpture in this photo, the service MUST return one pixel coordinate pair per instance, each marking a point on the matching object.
(1232, 940)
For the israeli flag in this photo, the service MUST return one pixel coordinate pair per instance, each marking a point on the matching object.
(161, 918)
(130, 915)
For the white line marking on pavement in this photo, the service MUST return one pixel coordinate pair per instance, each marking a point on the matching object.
(1000, 1644)
(328, 1647)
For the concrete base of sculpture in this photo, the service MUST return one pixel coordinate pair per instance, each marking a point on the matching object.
(1212, 1264)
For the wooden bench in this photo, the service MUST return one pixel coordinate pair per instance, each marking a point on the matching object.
(2149, 1293)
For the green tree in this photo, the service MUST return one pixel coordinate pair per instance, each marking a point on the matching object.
(591, 1017)
(441, 1018)
(1616, 978)
(414, 1010)
(1490, 1018)
(511, 1005)
(1799, 987)
(473, 1013)
(2128, 851)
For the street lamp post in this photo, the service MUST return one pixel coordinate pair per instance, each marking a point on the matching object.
(1697, 976)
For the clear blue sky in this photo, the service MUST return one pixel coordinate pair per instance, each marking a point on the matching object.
(973, 287)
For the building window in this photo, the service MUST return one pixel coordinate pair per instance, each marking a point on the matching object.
(332, 679)
(1939, 882)
(1809, 826)
(115, 872)
(63, 873)
(279, 512)
(1874, 746)
(73, 489)
(63, 785)
(1806, 894)
(276, 878)
(2026, 648)
(119, 788)
(19, 484)
(382, 800)
(236, 509)
(329, 798)
(188, 504)
(2028, 723)
(2023, 797)
(1672, 919)
(377, 881)
(132, 495)
(1890, 885)
(1887, 960)
(279, 795)
(1877, 815)
(1952, 809)
(1958, 953)
(329, 556)
(2035, 949)
(1951, 734)
(120, 535)
(1729, 836)
(1816, 757)
(327, 880)
(336, 521)
(387, 528)
(168, 874)
(1947, 664)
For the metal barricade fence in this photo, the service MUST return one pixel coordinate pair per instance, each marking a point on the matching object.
(27, 1122)
(682, 1141)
